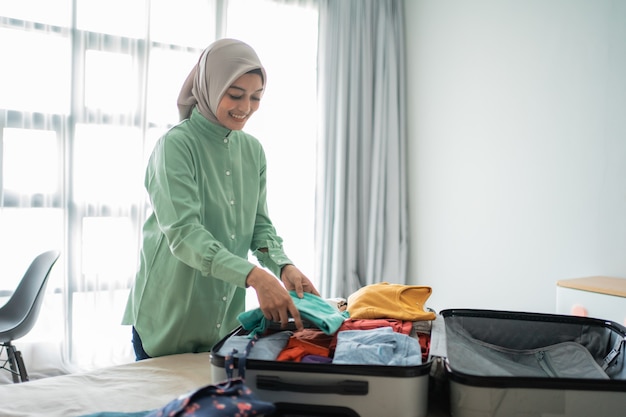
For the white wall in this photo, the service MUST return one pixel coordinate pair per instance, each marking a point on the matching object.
(517, 147)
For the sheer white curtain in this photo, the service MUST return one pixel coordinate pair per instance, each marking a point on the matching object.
(361, 199)
(87, 86)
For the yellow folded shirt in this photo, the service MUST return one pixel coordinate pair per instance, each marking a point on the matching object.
(390, 301)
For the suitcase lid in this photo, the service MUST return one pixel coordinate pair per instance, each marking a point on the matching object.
(527, 331)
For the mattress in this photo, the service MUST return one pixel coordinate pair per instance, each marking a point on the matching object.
(132, 387)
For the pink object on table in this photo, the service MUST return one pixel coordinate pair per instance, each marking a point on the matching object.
(578, 310)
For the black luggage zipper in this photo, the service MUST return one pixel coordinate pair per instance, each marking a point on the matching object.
(546, 365)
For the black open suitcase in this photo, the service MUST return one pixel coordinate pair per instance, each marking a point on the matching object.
(462, 371)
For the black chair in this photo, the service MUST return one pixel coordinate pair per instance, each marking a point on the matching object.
(19, 314)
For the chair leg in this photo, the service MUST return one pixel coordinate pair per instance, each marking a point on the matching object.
(16, 363)
(20, 366)
(13, 362)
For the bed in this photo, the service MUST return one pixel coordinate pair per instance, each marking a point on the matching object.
(132, 387)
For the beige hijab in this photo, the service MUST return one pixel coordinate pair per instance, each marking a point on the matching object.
(220, 64)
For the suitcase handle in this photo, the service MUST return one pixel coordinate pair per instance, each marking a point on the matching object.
(346, 387)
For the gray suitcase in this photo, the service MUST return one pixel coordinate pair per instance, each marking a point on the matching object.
(499, 363)
(314, 389)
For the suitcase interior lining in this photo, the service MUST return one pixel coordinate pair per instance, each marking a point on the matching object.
(530, 331)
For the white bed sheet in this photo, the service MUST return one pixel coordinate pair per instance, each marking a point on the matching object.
(137, 386)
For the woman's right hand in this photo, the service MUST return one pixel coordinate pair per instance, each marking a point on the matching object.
(274, 300)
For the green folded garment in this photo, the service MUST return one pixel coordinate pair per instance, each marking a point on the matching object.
(311, 307)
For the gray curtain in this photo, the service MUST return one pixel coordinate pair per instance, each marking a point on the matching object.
(361, 202)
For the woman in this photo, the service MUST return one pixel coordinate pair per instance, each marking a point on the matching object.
(206, 182)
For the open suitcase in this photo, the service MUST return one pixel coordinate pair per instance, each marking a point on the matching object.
(482, 363)
(323, 389)
(500, 363)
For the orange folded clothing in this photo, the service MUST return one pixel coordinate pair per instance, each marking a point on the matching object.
(306, 342)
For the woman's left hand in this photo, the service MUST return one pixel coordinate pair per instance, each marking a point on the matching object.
(293, 279)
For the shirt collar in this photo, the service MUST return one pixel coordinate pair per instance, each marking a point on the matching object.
(210, 128)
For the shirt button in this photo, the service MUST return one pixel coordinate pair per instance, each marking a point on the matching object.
(224, 298)
(225, 140)
(232, 202)
(227, 172)
(218, 325)
(232, 236)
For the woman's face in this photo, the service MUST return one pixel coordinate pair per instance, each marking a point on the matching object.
(240, 101)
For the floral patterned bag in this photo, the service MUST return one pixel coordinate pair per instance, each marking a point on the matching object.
(230, 398)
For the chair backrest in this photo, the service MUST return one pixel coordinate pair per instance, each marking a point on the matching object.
(19, 314)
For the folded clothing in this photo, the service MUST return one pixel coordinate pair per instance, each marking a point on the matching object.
(395, 301)
(311, 307)
(404, 327)
(266, 348)
(380, 346)
(297, 349)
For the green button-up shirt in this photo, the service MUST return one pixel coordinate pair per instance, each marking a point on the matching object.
(208, 194)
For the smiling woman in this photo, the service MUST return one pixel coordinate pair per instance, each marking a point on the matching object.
(241, 100)
(207, 182)
(97, 141)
